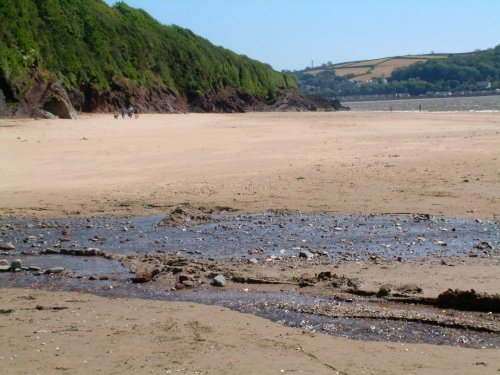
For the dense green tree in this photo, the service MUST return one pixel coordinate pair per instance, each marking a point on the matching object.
(89, 42)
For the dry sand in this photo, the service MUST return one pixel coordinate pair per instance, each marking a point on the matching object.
(438, 163)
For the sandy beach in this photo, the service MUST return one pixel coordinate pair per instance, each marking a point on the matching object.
(442, 164)
(439, 163)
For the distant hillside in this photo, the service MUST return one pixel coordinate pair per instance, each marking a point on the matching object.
(434, 74)
(109, 57)
(366, 70)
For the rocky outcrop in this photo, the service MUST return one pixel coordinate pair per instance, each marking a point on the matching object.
(39, 113)
(43, 99)
(55, 100)
(295, 102)
(50, 100)
(226, 101)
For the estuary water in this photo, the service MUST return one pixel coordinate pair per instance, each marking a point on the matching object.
(455, 104)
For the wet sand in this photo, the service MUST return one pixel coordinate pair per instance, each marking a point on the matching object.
(73, 333)
(444, 164)
(438, 163)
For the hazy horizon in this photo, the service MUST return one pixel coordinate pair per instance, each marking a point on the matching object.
(291, 34)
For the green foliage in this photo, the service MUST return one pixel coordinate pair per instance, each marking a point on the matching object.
(460, 72)
(88, 42)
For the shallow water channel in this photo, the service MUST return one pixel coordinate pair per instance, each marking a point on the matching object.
(347, 237)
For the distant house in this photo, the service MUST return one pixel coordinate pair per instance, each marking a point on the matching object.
(484, 84)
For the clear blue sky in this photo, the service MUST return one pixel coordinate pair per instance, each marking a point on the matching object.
(289, 34)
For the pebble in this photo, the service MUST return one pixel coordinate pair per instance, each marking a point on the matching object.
(7, 246)
(54, 270)
(306, 254)
(219, 280)
(16, 263)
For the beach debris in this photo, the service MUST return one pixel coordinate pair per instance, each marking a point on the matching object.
(256, 250)
(421, 217)
(187, 281)
(440, 243)
(16, 264)
(483, 246)
(4, 265)
(142, 277)
(54, 270)
(306, 254)
(219, 281)
(7, 246)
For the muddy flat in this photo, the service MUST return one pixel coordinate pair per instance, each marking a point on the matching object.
(337, 235)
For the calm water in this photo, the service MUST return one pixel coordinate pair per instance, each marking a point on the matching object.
(459, 104)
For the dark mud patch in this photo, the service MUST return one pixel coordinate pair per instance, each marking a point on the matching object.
(469, 300)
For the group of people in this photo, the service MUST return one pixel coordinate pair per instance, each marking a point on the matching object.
(130, 111)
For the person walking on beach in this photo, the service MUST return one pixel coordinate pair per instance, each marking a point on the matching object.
(122, 111)
(420, 107)
(130, 111)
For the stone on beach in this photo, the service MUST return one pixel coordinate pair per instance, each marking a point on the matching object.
(7, 246)
(219, 281)
(54, 270)
(16, 264)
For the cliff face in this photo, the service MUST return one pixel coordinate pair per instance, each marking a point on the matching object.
(63, 55)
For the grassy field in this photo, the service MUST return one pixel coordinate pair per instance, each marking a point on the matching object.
(377, 68)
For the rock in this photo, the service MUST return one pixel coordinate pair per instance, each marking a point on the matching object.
(306, 254)
(54, 270)
(7, 246)
(255, 250)
(219, 280)
(4, 267)
(142, 277)
(179, 286)
(384, 290)
(183, 278)
(55, 100)
(39, 113)
(189, 283)
(16, 263)
(4, 262)
(253, 261)
(483, 246)
(440, 243)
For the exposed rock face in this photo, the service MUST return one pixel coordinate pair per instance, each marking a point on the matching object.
(3, 106)
(55, 100)
(227, 101)
(38, 113)
(293, 101)
(50, 100)
(44, 99)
